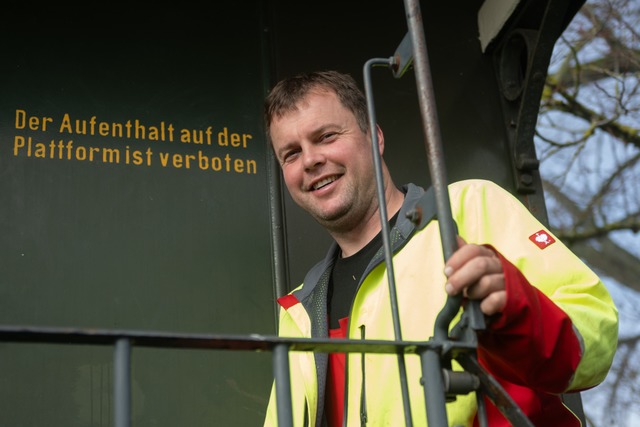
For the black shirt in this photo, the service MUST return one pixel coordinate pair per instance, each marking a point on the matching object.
(346, 276)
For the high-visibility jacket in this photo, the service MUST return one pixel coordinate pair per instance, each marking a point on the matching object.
(557, 333)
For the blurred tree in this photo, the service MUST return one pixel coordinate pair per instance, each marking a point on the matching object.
(588, 142)
(588, 136)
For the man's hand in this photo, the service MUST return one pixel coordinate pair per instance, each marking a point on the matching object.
(476, 271)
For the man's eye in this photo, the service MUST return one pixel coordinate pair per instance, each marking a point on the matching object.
(328, 136)
(290, 156)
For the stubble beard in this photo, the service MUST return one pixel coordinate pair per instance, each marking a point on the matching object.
(336, 222)
(349, 213)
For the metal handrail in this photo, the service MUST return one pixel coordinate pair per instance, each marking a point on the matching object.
(436, 360)
(124, 341)
(384, 223)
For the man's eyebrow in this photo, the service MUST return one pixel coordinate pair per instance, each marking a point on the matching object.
(286, 147)
(333, 127)
(315, 133)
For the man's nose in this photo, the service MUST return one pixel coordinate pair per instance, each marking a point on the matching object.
(312, 157)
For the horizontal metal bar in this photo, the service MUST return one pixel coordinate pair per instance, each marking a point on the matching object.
(254, 342)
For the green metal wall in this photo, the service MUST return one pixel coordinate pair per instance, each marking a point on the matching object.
(166, 229)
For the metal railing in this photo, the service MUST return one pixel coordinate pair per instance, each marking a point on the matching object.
(123, 342)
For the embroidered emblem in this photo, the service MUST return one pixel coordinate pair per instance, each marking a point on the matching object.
(542, 239)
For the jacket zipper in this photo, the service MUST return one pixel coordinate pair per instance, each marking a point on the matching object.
(363, 397)
(377, 259)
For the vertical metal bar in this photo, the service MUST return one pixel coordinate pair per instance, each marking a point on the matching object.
(433, 384)
(431, 126)
(435, 157)
(432, 369)
(385, 229)
(122, 383)
(283, 384)
(278, 238)
(483, 421)
(434, 391)
(276, 203)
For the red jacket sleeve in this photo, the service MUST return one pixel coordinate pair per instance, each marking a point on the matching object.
(532, 342)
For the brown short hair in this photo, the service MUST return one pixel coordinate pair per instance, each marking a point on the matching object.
(288, 92)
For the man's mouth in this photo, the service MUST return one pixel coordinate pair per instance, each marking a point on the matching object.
(323, 182)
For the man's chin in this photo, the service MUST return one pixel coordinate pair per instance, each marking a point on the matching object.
(334, 221)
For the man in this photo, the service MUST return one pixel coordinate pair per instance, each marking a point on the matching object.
(553, 325)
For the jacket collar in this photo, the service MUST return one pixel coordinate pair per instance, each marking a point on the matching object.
(415, 196)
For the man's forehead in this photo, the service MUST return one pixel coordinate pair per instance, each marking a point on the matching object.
(321, 108)
(301, 100)
(312, 115)
(320, 96)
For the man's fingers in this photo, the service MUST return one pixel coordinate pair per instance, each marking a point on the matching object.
(485, 286)
(494, 303)
(476, 271)
(465, 253)
(471, 272)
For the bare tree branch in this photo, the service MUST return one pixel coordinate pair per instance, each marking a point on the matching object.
(591, 173)
(571, 105)
(595, 246)
(621, 59)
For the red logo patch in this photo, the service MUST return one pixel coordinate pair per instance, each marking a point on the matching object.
(542, 239)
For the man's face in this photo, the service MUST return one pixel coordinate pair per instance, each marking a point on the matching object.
(326, 161)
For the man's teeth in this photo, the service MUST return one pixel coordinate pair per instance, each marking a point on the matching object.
(324, 182)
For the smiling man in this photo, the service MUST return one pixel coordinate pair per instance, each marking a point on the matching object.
(552, 324)
(326, 159)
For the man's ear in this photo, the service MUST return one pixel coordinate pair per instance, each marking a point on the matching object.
(380, 139)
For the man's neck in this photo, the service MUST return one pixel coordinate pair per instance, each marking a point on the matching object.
(357, 238)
